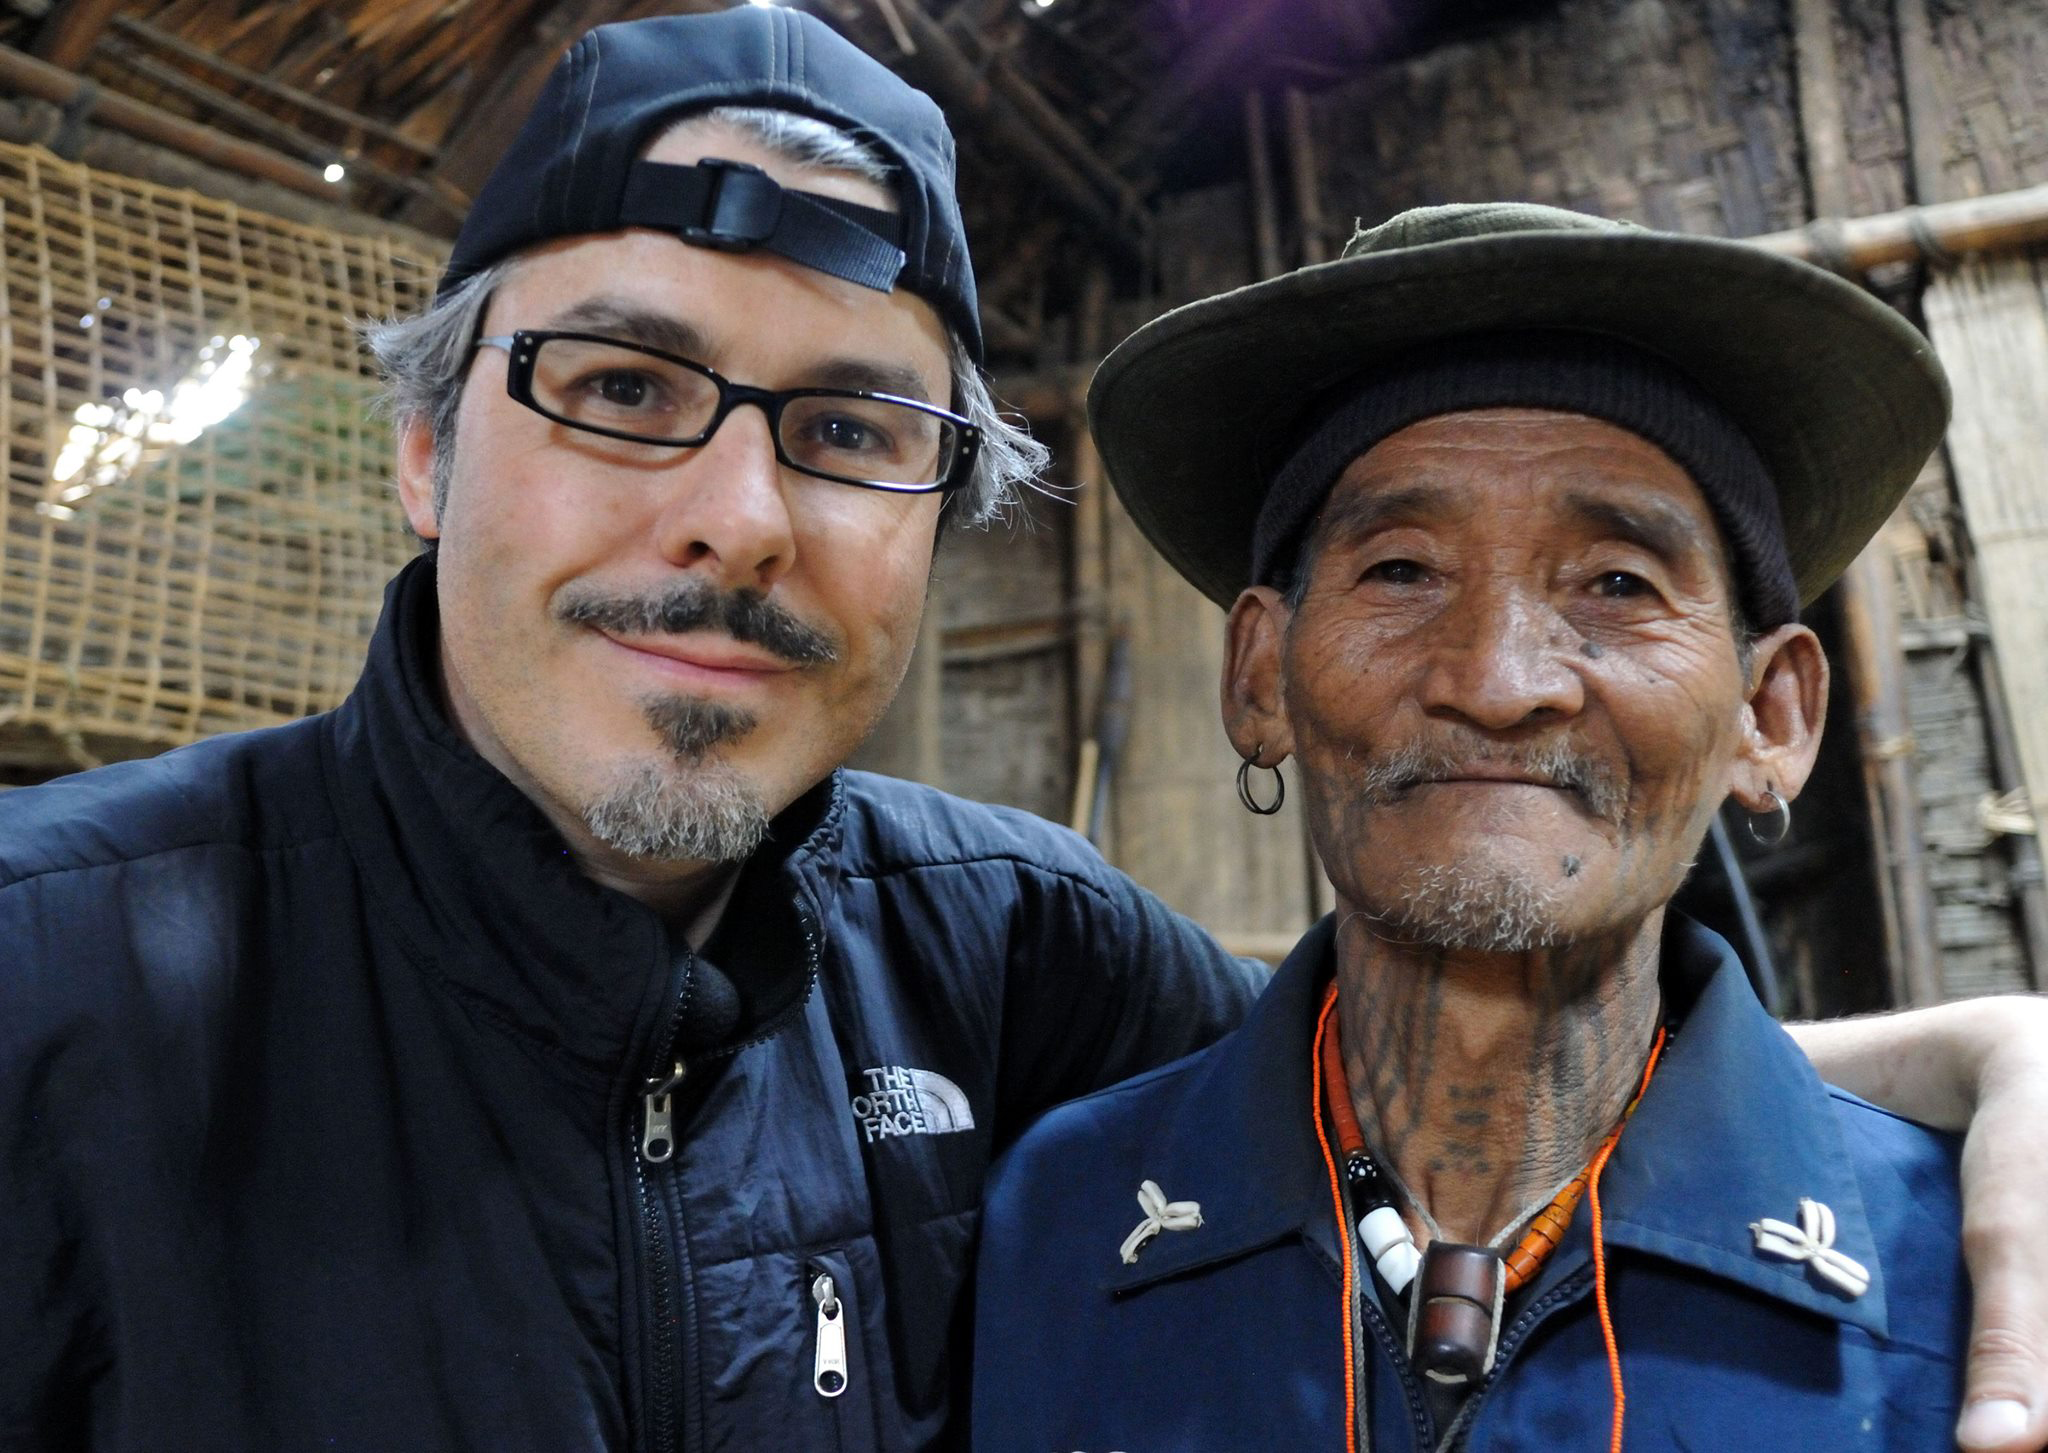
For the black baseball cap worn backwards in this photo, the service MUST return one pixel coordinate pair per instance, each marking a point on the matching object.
(575, 166)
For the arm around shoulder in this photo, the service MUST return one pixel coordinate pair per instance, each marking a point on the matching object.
(1979, 1064)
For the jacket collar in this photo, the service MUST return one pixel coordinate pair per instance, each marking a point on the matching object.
(1736, 1127)
(482, 890)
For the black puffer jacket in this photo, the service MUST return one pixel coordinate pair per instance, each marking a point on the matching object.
(322, 1110)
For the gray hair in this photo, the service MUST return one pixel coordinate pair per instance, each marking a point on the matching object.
(425, 358)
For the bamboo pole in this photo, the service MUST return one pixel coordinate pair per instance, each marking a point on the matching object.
(29, 76)
(2001, 222)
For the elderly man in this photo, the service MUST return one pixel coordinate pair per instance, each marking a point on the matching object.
(1533, 501)
(551, 1049)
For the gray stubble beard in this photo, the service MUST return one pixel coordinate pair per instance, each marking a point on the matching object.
(694, 807)
(1463, 905)
(1453, 906)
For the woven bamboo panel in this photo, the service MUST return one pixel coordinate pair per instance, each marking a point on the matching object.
(196, 522)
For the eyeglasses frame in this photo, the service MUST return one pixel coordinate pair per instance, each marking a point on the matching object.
(522, 348)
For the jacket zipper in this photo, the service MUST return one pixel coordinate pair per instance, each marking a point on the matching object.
(655, 1146)
(828, 1364)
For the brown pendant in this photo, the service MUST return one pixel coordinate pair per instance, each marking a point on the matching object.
(1454, 1313)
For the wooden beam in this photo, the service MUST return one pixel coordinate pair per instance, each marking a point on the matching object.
(942, 69)
(1033, 106)
(326, 110)
(256, 119)
(31, 77)
(71, 30)
(494, 116)
(2002, 222)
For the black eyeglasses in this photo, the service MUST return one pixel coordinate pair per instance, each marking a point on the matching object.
(624, 391)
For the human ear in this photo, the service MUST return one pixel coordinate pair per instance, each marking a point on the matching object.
(1787, 707)
(1253, 715)
(416, 477)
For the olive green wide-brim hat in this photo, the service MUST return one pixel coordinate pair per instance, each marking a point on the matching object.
(1841, 396)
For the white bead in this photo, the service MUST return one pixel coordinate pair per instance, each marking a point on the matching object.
(1382, 1228)
(1399, 1264)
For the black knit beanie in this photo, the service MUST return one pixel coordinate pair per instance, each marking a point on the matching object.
(1576, 373)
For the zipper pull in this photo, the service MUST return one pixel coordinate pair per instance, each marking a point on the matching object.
(828, 1374)
(658, 1139)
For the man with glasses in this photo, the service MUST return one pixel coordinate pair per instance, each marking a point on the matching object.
(552, 1048)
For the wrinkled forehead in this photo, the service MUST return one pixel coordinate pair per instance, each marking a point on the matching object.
(1528, 471)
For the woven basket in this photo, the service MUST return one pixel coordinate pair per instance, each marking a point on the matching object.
(196, 517)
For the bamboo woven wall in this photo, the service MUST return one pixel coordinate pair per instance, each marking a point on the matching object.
(181, 554)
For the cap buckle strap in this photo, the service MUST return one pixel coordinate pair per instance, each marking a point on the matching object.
(741, 206)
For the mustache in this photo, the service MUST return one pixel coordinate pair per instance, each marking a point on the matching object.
(1385, 778)
(748, 616)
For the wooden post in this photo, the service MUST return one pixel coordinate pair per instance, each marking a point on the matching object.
(1822, 128)
(2026, 850)
(1088, 560)
(1920, 97)
(1308, 186)
(1258, 149)
(1875, 663)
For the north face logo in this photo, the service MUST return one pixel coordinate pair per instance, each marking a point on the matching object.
(910, 1102)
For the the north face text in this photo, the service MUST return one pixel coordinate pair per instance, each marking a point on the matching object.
(901, 1101)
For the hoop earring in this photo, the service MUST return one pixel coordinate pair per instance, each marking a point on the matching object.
(1777, 820)
(1244, 785)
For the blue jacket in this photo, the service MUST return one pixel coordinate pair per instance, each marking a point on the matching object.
(322, 1079)
(1230, 1336)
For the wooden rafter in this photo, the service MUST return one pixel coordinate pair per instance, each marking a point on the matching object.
(486, 129)
(71, 31)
